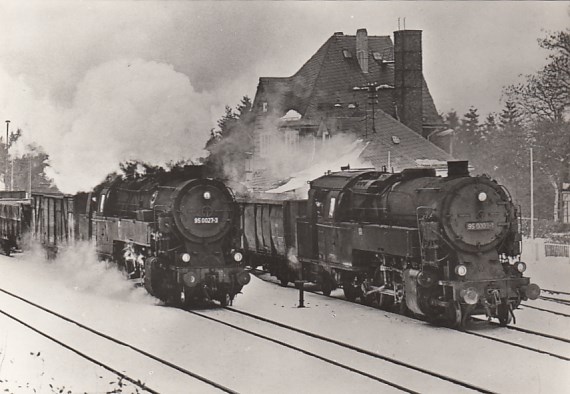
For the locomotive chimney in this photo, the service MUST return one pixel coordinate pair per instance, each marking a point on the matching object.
(457, 168)
(408, 78)
(362, 49)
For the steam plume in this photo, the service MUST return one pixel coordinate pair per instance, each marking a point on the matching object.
(123, 110)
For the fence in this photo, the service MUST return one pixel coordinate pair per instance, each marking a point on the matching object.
(556, 250)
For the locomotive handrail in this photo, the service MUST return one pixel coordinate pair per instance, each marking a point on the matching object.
(420, 228)
(506, 192)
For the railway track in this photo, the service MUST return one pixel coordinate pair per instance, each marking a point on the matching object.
(129, 351)
(559, 299)
(555, 292)
(525, 305)
(550, 345)
(555, 346)
(555, 299)
(357, 360)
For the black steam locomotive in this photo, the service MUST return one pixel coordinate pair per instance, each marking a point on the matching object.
(440, 248)
(176, 232)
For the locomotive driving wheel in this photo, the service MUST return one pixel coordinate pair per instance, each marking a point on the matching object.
(351, 288)
(351, 292)
(504, 314)
(226, 299)
(455, 315)
(151, 276)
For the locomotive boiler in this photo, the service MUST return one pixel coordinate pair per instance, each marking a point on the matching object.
(177, 232)
(444, 248)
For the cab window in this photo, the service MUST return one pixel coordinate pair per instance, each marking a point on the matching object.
(332, 204)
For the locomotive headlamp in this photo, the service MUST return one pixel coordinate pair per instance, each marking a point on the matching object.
(238, 256)
(482, 196)
(521, 267)
(207, 195)
(185, 257)
(470, 296)
(461, 270)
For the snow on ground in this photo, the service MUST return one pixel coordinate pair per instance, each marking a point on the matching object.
(79, 286)
(95, 295)
(548, 272)
(497, 367)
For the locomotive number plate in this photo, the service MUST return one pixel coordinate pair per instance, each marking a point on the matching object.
(200, 220)
(480, 225)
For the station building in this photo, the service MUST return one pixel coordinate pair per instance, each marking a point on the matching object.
(368, 89)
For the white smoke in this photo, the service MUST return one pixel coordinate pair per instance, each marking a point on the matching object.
(78, 268)
(101, 83)
(122, 110)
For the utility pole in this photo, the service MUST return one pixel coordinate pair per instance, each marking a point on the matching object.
(6, 167)
(531, 196)
(372, 100)
(30, 176)
(11, 173)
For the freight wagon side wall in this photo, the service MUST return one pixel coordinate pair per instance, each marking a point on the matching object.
(270, 227)
(53, 220)
(14, 219)
(293, 210)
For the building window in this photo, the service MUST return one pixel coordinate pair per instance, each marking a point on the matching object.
(264, 144)
(264, 106)
(566, 206)
(292, 138)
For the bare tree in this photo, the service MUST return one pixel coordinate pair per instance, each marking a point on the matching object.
(544, 99)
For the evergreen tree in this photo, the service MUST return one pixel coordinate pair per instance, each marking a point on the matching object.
(452, 120)
(230, 146)
(509, 154)
(469, 136)
(490, 126)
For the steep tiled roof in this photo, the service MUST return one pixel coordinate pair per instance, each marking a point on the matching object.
(403, 144)
(330, 77)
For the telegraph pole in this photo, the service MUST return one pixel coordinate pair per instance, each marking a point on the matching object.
(30, 176)
(6, 167)
(531, 196)
(372, 99)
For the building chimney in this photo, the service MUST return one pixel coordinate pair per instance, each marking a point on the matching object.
(362, 49)
(408, 78)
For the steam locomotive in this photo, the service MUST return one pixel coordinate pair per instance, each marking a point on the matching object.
(441, 248)
(175, 232)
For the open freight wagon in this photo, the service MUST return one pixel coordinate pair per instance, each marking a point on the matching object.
(269, 236)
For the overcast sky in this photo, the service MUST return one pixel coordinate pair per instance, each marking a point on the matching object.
(70, 68)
